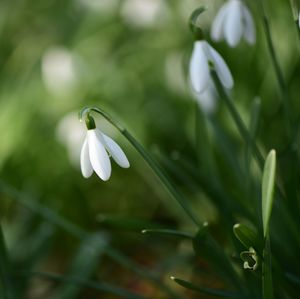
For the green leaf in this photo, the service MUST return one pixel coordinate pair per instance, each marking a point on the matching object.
(268, 182)
(247, 237)
(267, 282)
(124, 223)
(170, 232)
(204, 290)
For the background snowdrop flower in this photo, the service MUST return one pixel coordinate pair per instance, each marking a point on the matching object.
(233, 22)
(96, 151)
(202, 55)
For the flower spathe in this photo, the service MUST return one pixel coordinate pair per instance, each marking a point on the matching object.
(95, 155)
(233, 22)
(203, 54)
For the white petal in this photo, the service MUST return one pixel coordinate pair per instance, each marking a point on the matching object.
(86, 166)
(221, 68)
(218, 23)
(116, 152)
(199, 71)
(98, 155)
(207, 99)
(233, 24)
(250, 34)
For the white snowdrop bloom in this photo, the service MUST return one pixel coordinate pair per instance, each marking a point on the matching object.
(202, 55)
(233, 22)
(207, 100)
(95, 155)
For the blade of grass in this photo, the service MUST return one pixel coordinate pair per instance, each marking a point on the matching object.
(268, 182)
(169, 232)
(267, 281)
(99, 286)
(206, 291)
(247, 237)
(124, 223)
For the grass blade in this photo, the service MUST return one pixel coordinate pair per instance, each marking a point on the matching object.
(268, 182)
(169, 232)
(204, 290)
(267, 282)
(247, 237)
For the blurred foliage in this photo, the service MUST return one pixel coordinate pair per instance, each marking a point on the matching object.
(130, 57)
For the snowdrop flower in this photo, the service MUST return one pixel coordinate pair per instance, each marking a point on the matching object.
(204, 54)
(207, 100)
(96, 151)
(233, 22)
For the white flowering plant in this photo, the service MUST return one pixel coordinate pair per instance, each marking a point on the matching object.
(180, 177)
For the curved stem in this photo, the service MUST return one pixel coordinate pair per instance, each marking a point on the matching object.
(236, 117)
(164, 178)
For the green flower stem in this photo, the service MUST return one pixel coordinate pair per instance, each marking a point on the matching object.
(285, 98)
(6, 287)
(236, 117)
(178, 196)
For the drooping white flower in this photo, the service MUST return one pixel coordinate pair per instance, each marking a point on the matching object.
(95, 155)
(202, 55)
(233, 22)
(207, 100)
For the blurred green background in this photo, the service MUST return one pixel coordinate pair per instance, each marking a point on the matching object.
(129, 57)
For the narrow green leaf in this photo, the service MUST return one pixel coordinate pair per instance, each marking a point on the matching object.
(170, 232)
(267, 282)
(247, 237)
(253, 129)
(268, 182)
(207, 291)
(124, 223)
